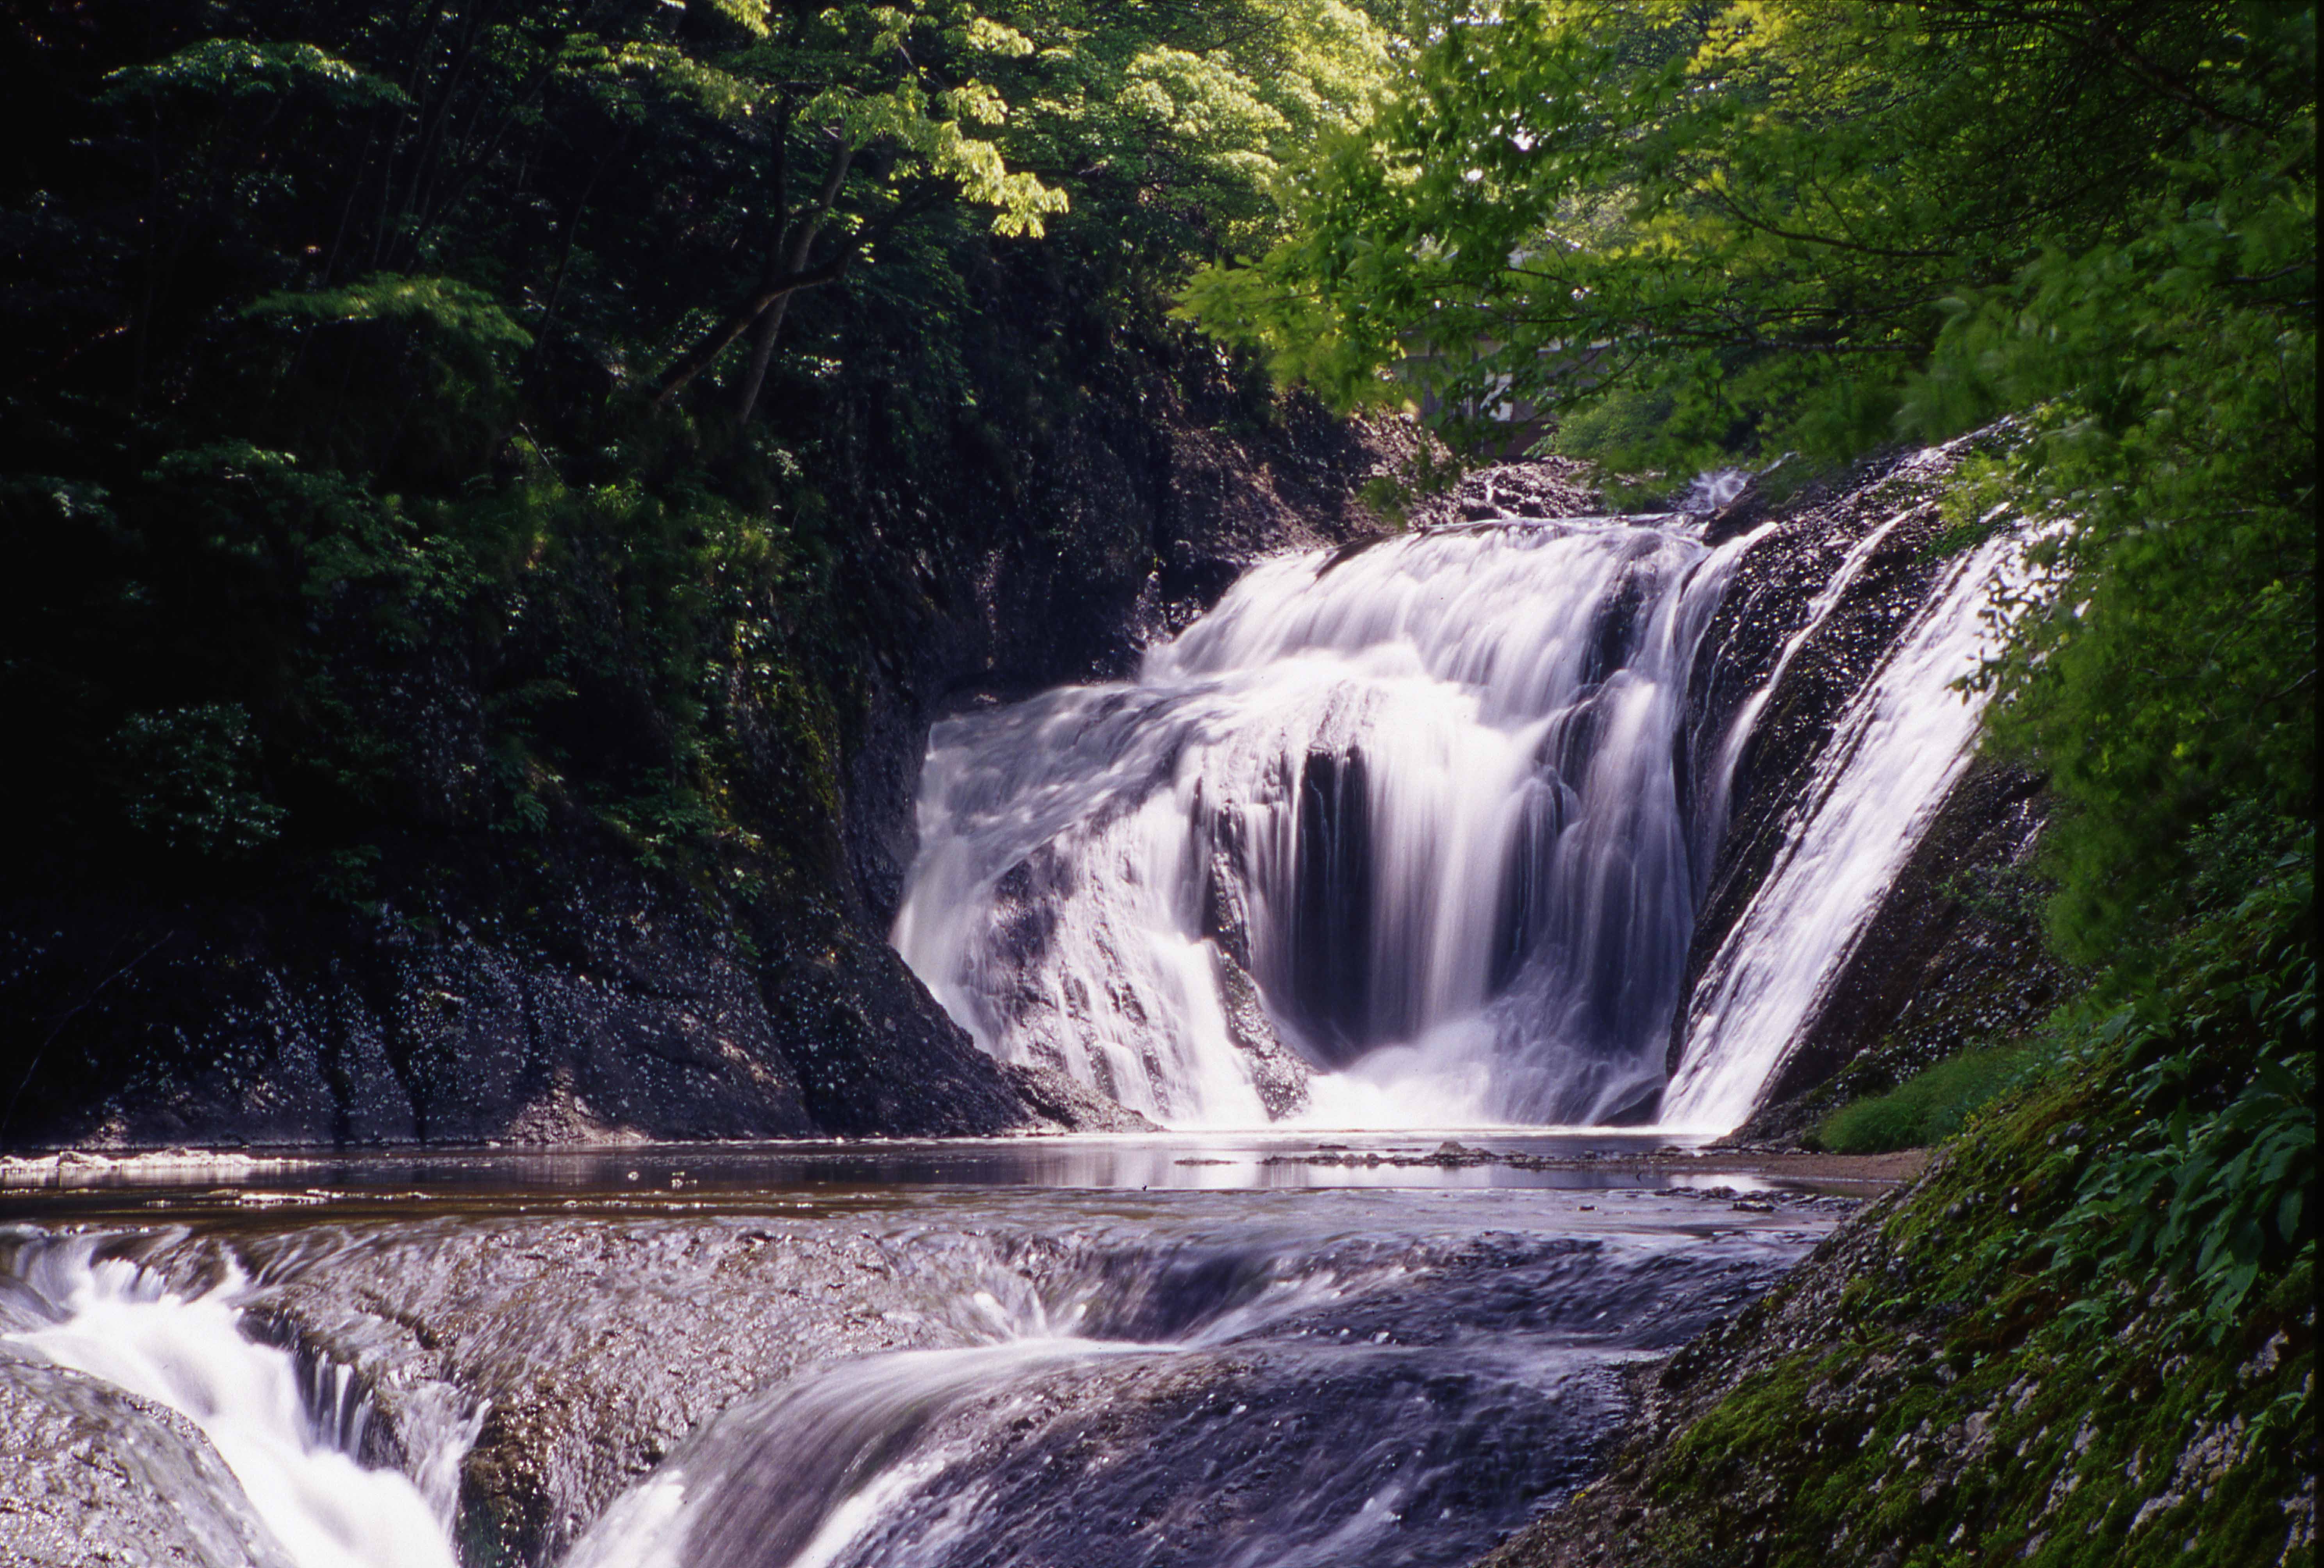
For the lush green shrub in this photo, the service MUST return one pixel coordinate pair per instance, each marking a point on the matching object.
(1930, 1106)
(185, 777)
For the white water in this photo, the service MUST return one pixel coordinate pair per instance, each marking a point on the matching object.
(1396, 837)
(1423, 795)
(1896, 751)
(119, 1322)
(1263, 1382)
(794, 1476)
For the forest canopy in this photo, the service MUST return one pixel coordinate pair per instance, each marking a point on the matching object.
(438, 309)
(346, 342)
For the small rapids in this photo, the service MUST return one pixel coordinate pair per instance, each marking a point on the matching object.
(929, 1379)
(1284, 1400)
(291, 1440)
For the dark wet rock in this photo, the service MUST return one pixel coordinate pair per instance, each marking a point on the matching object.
(1068, 1105)
(558, 986)
(96, 1474)
(1331, 937)
(1953, 958)
(593, 1348)
(1768, 603)
(1922, 952)
(1280, 1073)
(1534, 487)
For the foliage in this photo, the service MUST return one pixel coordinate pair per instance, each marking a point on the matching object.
(1185, 121)
(1927, 1108)
(2209, 1183)
(186, 779)
(1753, 218)
(338, 515)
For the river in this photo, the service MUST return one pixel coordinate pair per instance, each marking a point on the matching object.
(1254, 1351)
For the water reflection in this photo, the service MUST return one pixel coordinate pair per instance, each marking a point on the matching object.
(1226, 1161)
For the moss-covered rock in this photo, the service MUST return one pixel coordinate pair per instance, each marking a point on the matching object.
(2010, 1359)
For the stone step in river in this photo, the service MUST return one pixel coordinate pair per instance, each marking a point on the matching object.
(739, 1363)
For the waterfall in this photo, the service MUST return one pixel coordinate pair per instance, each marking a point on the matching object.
(291, 1440)
(1393, 834)
(1894, 753)
(1405, 835)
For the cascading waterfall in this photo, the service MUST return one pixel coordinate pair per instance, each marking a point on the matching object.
(1891, 758)
(1403, 834)
(1394, 835)
(292, 1447)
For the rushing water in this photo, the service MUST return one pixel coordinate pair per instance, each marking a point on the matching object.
(1404, 835)
(1896, 751)
(928, 1377)
(1392, 836)
(290, 1438)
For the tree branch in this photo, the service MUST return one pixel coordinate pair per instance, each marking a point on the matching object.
(737, 321)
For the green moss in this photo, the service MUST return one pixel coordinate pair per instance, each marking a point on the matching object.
(1993, 1382)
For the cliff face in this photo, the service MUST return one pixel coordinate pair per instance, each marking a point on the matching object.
(1952, 951)
(575, 981)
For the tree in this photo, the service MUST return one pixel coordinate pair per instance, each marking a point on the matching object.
(886, 95)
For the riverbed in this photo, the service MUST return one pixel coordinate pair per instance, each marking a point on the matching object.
(1237, 1350)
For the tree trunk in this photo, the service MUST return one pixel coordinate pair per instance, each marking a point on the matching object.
(762, 354)
(788, 261)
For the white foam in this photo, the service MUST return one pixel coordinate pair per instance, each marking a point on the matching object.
(186, 1351)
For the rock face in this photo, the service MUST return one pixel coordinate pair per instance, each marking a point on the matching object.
(1535, 487)
(97, 1475)
(1952, 951)
(1952, 958)
(566, 987)
(1870, 542)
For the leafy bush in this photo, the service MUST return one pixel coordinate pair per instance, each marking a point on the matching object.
(1930, 1106)
(186, 777)
(2207, 1182)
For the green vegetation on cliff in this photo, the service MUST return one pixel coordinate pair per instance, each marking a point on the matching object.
(1792, 232)
(444, 444)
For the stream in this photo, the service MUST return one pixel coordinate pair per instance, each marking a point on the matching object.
(1279, 1354)
(1409, 835)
